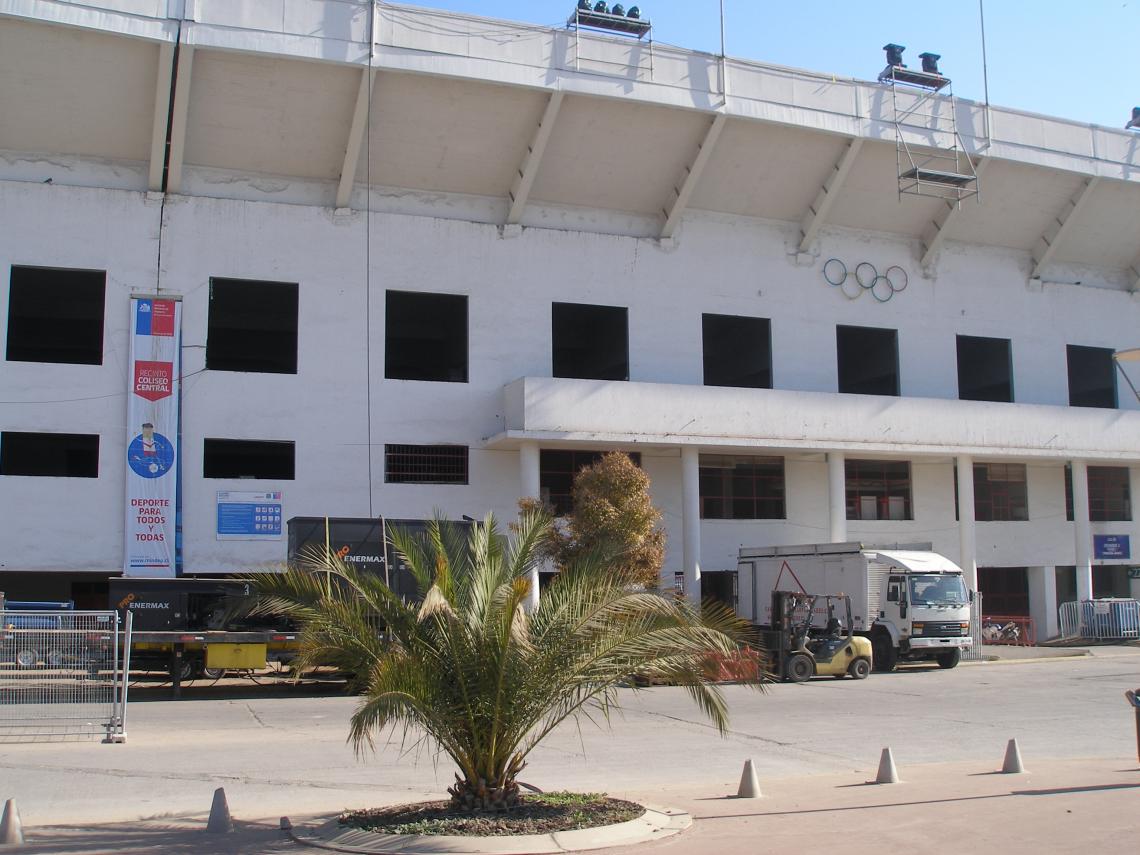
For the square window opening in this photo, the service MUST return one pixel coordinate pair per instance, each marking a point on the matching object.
(252, 326)
(425, 337)
(985, 370)
(868, 360)
(737, 351)
(56, 315)
(1092, 376)
(590, 342)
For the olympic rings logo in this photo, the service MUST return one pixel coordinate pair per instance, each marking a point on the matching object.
(882, 286)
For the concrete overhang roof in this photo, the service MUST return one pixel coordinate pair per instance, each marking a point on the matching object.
(593, 413)
(521, 121)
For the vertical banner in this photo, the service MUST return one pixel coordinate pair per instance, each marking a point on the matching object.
(152, 437)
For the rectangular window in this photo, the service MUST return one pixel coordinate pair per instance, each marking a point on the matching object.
(590, 342)
(425, 464)
(985, 371)
(878, 490)
(741, 488)
(1110, 494)
(248, 458)
(737, 351)
(56, 315)
(868, 360)
(252, 326)
(556, 471)
(1000, 492)
(1092, 377)
(60, 455)
(425, 337)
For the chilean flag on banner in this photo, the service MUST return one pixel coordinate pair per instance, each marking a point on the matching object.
(152, 459)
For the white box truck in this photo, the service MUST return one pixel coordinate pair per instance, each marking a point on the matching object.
(911, 602)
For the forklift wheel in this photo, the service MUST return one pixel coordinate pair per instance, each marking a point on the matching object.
(799, 667)
(859, 669)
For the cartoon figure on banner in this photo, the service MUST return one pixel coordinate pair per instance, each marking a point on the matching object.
(150, 454)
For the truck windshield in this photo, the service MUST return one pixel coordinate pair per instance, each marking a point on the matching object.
(937, 590)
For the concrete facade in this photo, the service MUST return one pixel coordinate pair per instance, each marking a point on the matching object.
(271, 126)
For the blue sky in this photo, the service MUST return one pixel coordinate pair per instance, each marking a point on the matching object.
(1076, 59)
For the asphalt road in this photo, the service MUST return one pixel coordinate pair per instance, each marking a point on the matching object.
(279, 755)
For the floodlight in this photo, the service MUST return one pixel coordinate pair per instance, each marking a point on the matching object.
(617, 9)
(633, 12)
(584, 5)
(601, 6)
(894, 54)
(930, 62)
(1135, 121)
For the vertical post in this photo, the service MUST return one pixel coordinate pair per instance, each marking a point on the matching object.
(967, 540)
(530, 486)
(1082, 530)
(837, 495)
(691, 522)
(1043, 601)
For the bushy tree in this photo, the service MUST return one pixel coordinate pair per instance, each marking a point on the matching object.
(612, 512)
(468, 668)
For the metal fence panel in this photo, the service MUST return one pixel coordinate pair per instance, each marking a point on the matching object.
(1103, 620)
(974, 651)
(62, 674)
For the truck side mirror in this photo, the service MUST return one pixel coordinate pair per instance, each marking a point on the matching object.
(971, 595)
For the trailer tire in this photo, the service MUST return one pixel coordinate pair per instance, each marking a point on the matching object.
(950, 658)
(799, 667)
(859, 669)
(884, 652)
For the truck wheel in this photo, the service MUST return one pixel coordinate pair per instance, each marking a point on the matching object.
(949, 658)
(886, 656)
(799, 667)
(859, 669)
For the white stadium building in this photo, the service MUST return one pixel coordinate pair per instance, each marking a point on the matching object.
(340, 258)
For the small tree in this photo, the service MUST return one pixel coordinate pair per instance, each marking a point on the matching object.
(613, 513)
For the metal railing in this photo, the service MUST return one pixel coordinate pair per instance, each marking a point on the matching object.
(1101, 620)
(63, 674)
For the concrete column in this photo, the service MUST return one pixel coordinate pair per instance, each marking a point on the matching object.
(1043, 601)
(529, 486)
(837, 495)
(1082, 531)
(967, 539)
(691, 522)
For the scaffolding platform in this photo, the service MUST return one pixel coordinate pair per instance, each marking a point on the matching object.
(936, 176)
(636, 27)
(924, 79)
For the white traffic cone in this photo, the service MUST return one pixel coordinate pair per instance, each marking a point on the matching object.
(220, 821)
(888, 774)
(1012, 764)
(749, 784)
(11, 831)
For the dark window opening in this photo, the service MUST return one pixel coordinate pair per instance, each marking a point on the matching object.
(56, 315)
(425, 337)
(1092, 377)
(425, 464)
(556, 471)
(741, 488)
(59, 455)
(1001, 492)
(1005, 591)
(985, 371)
(1110, 494)
(737, 351)
(868, 360)
(248, 458)
(590, 342)
(878, 490)
(252, 326)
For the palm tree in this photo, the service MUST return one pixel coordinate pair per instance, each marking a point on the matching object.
(469, 669)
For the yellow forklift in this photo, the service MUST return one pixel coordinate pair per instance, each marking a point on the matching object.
(800, 651)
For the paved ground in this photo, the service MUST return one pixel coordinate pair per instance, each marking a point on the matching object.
(814, 746)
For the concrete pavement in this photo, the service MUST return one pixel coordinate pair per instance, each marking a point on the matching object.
(814, 745)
